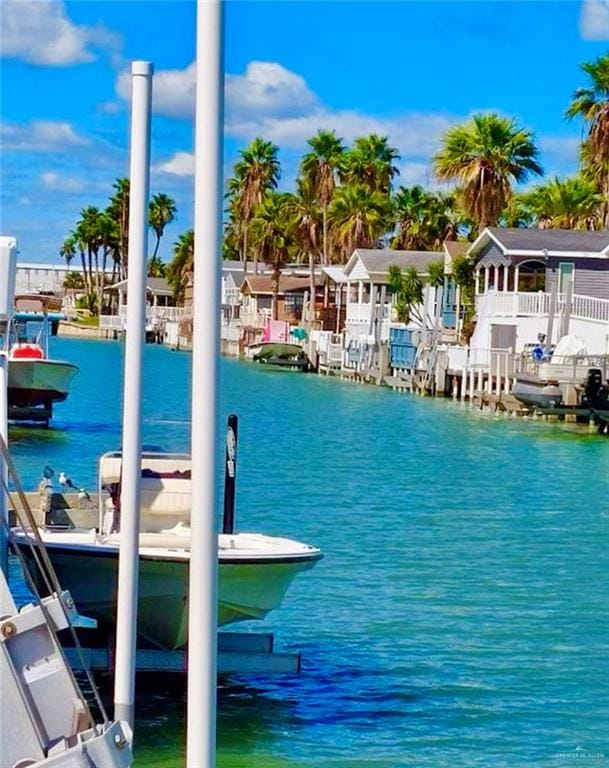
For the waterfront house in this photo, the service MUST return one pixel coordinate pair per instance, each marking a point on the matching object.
(257, 299)
(369, 299)
(522, 274)
(160, 307)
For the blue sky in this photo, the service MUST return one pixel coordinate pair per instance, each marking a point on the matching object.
(407, 69)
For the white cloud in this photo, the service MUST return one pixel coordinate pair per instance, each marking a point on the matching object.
(57, 183)
(270, 89)
(594, 20)
(181, 164)
(40, 136)
(264, 88)
(40, 32)
(173, 91)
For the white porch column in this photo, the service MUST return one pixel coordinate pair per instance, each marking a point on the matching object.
(516, 277)
(360, 292)
(486, 279)
(506, 274)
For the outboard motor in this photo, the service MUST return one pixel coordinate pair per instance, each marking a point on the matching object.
(594, 384)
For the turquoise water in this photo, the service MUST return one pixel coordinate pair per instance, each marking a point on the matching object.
(460, 616)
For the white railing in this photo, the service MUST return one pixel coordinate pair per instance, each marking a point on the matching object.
(589, 308)
(154, 315)
(255, 319)
(362, 313)
(538, 304)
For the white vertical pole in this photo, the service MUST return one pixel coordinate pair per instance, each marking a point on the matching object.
(203, 605)
(8, 266)
(128, 568)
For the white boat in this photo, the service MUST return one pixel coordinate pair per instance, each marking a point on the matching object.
(34, 380)
(255, 570)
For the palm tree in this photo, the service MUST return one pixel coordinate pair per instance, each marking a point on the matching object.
(485, 156)
(305, 224)
(571, 203)
(371, 162)
(424, 220)
(319, 169)
(270, 235)
(407, 287)
(161, 212)
(359, 217)
(119, 211)
(182, 263)
(156, 267)
(68, 248)
(256, 173)
(592, 105)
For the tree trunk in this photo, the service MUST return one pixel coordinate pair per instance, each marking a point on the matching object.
(84, 271)
(275, 310)
(325, 235)
(312, 288)
(245, 248)
(156, 247)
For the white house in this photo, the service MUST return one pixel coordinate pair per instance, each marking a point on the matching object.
(369, 299)
(536, 281)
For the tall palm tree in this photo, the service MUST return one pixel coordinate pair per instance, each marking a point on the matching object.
(156, 267)
(256, 173)
(319, 169)
(592, 105)
(359, 217)
(371, 162)
(161, 212)
(485, 156)
(182, 263)
(305, 224)
(270, 235)
(119, 210)
(571, 203)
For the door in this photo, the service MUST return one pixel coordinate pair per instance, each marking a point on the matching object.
(503, 337)
(565, 275)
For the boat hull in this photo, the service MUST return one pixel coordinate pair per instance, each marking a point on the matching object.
(279, 355)
(246, 590)
(38, 382)
(537, 393)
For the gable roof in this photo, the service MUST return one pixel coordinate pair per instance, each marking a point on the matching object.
(514, 241)
(263, 284)
(376, 262)
(154, 285)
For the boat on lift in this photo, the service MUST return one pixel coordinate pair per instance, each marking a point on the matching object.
(35, 381)
(255, 570)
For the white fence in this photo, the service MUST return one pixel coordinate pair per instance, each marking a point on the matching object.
(154, 316)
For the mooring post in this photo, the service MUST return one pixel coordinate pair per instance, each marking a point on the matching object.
(230, 475)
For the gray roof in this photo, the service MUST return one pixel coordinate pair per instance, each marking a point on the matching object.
(158, 285)
(513, 239)
(378, 261)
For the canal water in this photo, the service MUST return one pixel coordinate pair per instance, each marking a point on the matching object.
(461, 614)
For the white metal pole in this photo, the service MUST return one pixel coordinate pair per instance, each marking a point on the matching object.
(128, 569)
(203, 606)
(8, 266)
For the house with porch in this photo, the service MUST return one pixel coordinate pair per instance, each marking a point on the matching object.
(369, 301)
(536, 281)
(257, 299)
(160, 307)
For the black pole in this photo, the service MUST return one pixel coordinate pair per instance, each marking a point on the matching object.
(230, 474)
